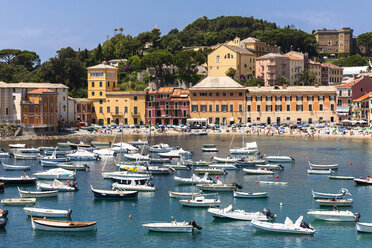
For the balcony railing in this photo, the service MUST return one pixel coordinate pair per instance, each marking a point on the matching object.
(135, 114)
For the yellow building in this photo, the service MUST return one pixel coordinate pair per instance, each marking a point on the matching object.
(254, 45)
(110, 104)
(227, 56)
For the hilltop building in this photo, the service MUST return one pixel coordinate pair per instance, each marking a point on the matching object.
(335, 41)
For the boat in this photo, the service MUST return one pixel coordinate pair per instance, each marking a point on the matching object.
(238, 194)
(209, 148)
(272, 182)
(223, 166)
(210, 171)
(17, 145)
(184, 195)
(19, 201)
(219, 186)
(125, 174)
(270, 166)
(127, 148)
(341, 177)
(46, 212)
(250, 162)
(137, 157)
(21, 156)
(200, 201)
(4, 154)
(249, 148)
(108, 152)
(323, 166)
(18, 180)
(363, 182)
(139, 142)
(37, 194)
(57, 185)
(258, 171)
(237, 214)
(280, 159)
(49, 163)
(172, 227)
(28, 150)
(318, 195)
(3, 213)
(196, 163)
(226, 160)
(134, 186)
(177, 166)
(319, 172)
(16, 167)
(62, 226)
(53, 158)
(82, 155)
(299, 227)
(174, 153)
(364, 227)
(160, 148)
(113, 194)
(194, 179)
(334, 202)
(72, 166)
(57, 173)
(148, 169)
(100, 143)
(128, 180)
(334, 215)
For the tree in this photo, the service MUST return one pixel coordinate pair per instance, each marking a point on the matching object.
(231, 72)
(135, 63)
(307, 78)
(354, 60)
(364, 42)
(282, 80)
(98, 53)
(157, 59)
(187, 60)
(7, 55)
(121, 30)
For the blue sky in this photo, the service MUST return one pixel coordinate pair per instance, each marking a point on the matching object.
(44, 26)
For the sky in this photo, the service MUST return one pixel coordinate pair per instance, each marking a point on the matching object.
(45, 26)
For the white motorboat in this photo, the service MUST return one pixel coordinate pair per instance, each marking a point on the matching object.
(134, 186)
(272, 182)
(125, 147)
(45, 212)
(299, 227)
(17, 146)
(364, 227)
(343, 192)
(334, 202)
(137, 157)
(319, 172)
(210, 171)
(225, 166)
(209, 148)
(194, 179)
(258, 171)
(219, 186)
(334, 215)
(249, 148)
(111, 174)
(22, 156)
(72, 166)
(139, 142)
(82, 155)
(280, 159)
(200, 201)
(226, 160)
(53, 158)
(28, 150)
(37, 194)
(363, 182)
(61, 226)
(57, 185)
(270, 166)
(238, 194)
(15, 167)
(160, 148)
(184, 195)
(323, 166)
(172, 227)
(114, 194)
(341, 178)
(57, 173)
(4, 154)
(236, 214)
(107, 152)
(175, 153)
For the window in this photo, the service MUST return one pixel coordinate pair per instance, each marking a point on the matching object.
(135, 98)
(150, 104)
(108, 84)
(108, 120)
(125, 109)
(92, 84)
(217, 108)
(224, 94)
(194, 108)
(240, 107)
(310, 98)
(224, 108)
(7, 111)
(349, 102)
(258, 108)
(258, 98)
(331, 98)
(210, 94)
(348, 92)
(184, 113)
(194, 94)
(96, 74)
(100, 84)
(320, 98)
(278, 108)
(288, 98)
(217, 94)
(310, 107)
(240, 94)
(332, 107)
(101, 110)
(108, 109)
(92, 93)
(14, 98)
(152, 98)
(288, 108)
(203, 108)
(269, 108)
(278, 98)
(231, 93)
(210, 108)
(299, 107)
(100, 93)
(218, 59)
(299, 98)
(249, 98)
(135, 110)
(339, 102)
(249, 108)
(231, 108)
(113, 84)
(184, 104)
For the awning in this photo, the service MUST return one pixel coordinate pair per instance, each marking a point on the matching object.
(196, 120)
(232, 119)
(343, 109)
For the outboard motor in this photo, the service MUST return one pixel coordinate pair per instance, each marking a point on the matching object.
(237, 185)
(209, 178)
(194, 225)
(268, 214)
(4, 213)
(306, 225)
(357, 216)
(98, 157)
(11, 154)
(87, 167)
(150, 184)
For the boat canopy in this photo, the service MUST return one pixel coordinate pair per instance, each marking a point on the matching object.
(251, 145)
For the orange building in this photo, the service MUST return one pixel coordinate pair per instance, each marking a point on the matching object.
(40, 110)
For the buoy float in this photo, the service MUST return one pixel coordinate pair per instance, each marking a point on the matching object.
(307, 156)
(257, 182)
(276, 176)
(350, 163)
(281, 204)
(130, 217)
(360, 177)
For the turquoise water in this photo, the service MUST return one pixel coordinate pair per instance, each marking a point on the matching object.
(115, 229)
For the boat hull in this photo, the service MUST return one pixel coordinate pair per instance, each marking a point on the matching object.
(191, 203)
(45, 194)
(220, 214)
(364, 227)
(281, 229)
(169, 228)
(250, 195)
(332, 217)
(45, 226)
(362, 182)
(19, 202)
(18, 181)
(331, 203)
(37, 212)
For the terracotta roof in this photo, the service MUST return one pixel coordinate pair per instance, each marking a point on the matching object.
(239, 49)
(292, 57)
(349, 84)
(166, 90)
(332, 66)
(102, 66)
(41, 91)
(362, 98)
(180, 93)
(294, 89)
(272, 56)
(217, 83)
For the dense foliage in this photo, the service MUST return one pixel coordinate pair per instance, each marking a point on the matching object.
(354, 60)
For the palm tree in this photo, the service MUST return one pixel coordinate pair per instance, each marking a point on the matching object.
(115, 30)
(121, 30)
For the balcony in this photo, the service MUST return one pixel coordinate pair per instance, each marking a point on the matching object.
(135, 114)
(117, 113)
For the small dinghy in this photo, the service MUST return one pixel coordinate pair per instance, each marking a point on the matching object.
(46, 212)
(334, 215)
(223, 166)
(201, 202)
(16, 146)
(219, 187)
(318, 195)
(226, 160)
(194, 179)
(37, 194)
(62, 226)
(280, 159)
(135, 187)
(236, 214)
(341, 178)
(16, 167)
(210, 171)
(58, 173)
(272, 182)
(323, 166)
(57, 185)
(173, 227)
(18, 180)
(238, 194)
(19, 201)
(319, 172)
(209, 148)
(113, 194)
(334, 202)
(184, 195)
(270, 166)
(363, 182)
(299, 227)
(72, 166)
(364, 227)
(258, 171)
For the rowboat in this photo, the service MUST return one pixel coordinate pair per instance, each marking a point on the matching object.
(21, 156)
(19, 201)
(238, 194)
(272, 182)
(200, 201)
(226, 160)
(184, 195)
(219, 187)
(299, 227)
(319, 172)
(223, 166)
(58, 173)
(134, 186)
(280, 159)
(17, 145)
(209, 148)
(172, 227)
(362, 182)
(343, 192)
(71, 166)
(334, 215)
(194, 179)
(113, 194)
(16, 167)
(364, 227)
(237, 214)
(270, 166)
(45, 212)
(18, 180)
(210, 171)
(341, 177)
(323, 166)
(62, 226)
(57, 185)
(37, 194)
(258, 171)
(334, 202)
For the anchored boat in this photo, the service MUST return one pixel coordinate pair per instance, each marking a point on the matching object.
(299, 227)
(46, 212)
(62, 226)
(236, 214)
(37, 194)
(238, 194)
(172, 227)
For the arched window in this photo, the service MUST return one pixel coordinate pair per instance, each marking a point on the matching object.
(92, 84)
(25, 121)
(228, 55)
(218, 59)
(26, 109)
(37, 121)
(108, 84)
(232, 56)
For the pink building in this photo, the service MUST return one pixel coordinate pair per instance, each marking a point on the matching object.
(272, 66)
